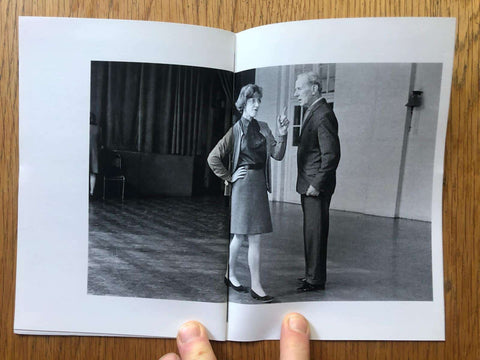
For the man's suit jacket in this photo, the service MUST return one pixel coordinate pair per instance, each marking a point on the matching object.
(319, 150)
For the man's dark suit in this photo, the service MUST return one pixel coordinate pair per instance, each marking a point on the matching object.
(317, 160)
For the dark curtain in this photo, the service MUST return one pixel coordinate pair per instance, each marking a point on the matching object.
(165, 109)
(226, 80)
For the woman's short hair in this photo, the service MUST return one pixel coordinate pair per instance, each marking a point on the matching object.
(247, 92)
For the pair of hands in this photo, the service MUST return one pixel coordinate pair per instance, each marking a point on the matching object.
(193, 343)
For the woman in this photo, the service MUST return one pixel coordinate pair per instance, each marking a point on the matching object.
(248, 146)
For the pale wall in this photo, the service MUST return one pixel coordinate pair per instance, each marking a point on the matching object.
(416, 194)
(275, 84)
(370, 106)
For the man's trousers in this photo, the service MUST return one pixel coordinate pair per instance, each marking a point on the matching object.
(315, 237)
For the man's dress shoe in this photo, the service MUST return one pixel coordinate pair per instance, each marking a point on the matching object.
(307, 287)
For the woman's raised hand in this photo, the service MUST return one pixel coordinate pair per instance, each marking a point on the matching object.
(282, 122)
(239, 174)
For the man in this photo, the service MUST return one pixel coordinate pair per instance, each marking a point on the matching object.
(317, 160)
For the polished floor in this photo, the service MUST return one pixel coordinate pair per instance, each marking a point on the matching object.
(164, 248)
(176, 248)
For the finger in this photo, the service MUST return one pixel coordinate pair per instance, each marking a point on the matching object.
(284, 111)
(294, 338)
(193, 343)
(240, 171)
(170, 356)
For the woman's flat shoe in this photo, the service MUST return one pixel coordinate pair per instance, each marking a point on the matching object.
(239, 288)
(265, 299)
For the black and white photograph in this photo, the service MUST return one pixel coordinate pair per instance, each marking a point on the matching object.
(354, 177)
(327, 169)
(158, 224)
(231, 178)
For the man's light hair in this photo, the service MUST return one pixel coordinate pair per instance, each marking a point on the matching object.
(313, 79)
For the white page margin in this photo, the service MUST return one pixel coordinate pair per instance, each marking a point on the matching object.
(357, 40)
(341, 320)
(52, 252)
(368, 40)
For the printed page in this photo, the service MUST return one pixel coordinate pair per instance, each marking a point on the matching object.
(361, 175)
(122, 227)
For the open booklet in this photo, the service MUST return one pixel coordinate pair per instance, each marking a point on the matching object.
(124, 229)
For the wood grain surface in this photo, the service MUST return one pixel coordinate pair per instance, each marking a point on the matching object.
(461, 196)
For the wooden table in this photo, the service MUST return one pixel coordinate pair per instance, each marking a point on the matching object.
(461, 182)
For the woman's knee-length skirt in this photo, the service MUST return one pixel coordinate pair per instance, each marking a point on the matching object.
(250, 210)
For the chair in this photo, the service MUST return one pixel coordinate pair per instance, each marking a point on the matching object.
(114, 173)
